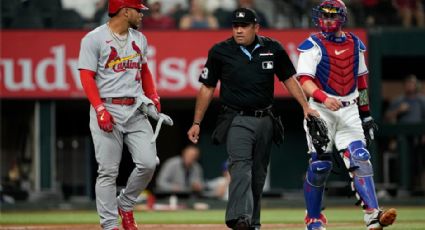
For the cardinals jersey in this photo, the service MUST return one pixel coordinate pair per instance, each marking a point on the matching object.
(334, 66)
(116, 61)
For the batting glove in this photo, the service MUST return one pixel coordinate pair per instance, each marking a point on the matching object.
(369, 129)
(104, 119)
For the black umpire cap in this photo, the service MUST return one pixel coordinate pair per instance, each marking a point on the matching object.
(245, 16)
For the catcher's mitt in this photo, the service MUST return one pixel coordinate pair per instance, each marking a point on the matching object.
(318, 132)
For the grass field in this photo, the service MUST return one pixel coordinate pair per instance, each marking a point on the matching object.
(409, 218)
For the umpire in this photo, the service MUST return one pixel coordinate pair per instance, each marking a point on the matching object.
(246, 64)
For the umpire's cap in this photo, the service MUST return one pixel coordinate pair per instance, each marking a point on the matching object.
(244, 15)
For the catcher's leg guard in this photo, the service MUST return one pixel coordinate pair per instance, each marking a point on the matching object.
(356, 159)
(314, 185)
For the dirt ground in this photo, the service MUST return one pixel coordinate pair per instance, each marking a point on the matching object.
(151, 226)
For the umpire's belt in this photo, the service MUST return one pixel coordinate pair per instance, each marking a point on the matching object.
(252, 113)
(119, 100)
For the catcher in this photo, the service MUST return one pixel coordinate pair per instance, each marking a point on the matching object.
(333, 73)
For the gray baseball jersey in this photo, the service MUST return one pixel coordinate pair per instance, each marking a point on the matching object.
(117, 68)
(117, 63)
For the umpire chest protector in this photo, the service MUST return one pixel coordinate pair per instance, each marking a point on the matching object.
(338, 68)
(247, 76)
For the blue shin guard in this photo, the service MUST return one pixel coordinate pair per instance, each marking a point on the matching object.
(313, 199)
(365, 192)
(356, 159)
(314, 185)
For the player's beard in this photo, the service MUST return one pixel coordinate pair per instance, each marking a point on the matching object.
(134, 25)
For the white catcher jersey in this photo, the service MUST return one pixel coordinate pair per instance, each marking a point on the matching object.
(116, 61)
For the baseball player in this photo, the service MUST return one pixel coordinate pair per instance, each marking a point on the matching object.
(332, 71)
(117, 81)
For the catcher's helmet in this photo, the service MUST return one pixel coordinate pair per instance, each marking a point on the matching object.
(116, 5)
(333, 11)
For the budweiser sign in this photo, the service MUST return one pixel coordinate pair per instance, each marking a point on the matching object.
(43, 64)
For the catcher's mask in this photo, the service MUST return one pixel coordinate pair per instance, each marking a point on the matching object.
(330, 15)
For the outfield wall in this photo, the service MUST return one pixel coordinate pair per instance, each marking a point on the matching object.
(43, 103)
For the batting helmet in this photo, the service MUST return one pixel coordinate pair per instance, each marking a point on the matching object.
(116, 5)
(333, 10)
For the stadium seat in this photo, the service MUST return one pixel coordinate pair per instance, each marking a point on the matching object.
(27, 18)
(48, 9)
(67, 19)
(8, 12)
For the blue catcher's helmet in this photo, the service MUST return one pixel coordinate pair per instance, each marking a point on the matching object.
(330, 15)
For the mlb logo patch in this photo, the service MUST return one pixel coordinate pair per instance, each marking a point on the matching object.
(267, 64)
(240, 15)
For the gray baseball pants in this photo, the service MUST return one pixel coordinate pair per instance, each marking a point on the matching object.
(136, 133)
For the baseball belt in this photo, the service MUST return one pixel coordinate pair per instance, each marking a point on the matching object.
(119, 100)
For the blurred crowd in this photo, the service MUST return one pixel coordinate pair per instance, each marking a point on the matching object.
(204, 14)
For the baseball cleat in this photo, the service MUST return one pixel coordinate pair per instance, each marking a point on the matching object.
(387, 217)
(379, 219)
(127, 218)
(316, 224)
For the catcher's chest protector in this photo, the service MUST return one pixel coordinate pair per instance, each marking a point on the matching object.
(338, 67)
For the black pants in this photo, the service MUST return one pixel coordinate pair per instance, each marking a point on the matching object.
(248, 144)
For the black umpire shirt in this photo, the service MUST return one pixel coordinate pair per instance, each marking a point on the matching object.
(247, 75)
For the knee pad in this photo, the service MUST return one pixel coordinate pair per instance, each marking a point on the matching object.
(318, 171)
(356, 159)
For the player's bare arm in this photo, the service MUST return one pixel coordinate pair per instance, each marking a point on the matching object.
(296, 91)
(203, 100)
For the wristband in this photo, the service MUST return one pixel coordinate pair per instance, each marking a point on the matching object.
(319, 95)
(99, 108)
(196, 123)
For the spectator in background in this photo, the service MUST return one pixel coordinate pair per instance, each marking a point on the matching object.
(174, 8)
(251, 4)
(156, 19)
(101, 12)
(222, 10)
(86, 8)
(370, 9)
(213, 5)
(169, 7)
(198, 17)
(409, 9)
(410, 107)
(182, 173)
(219, 187)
